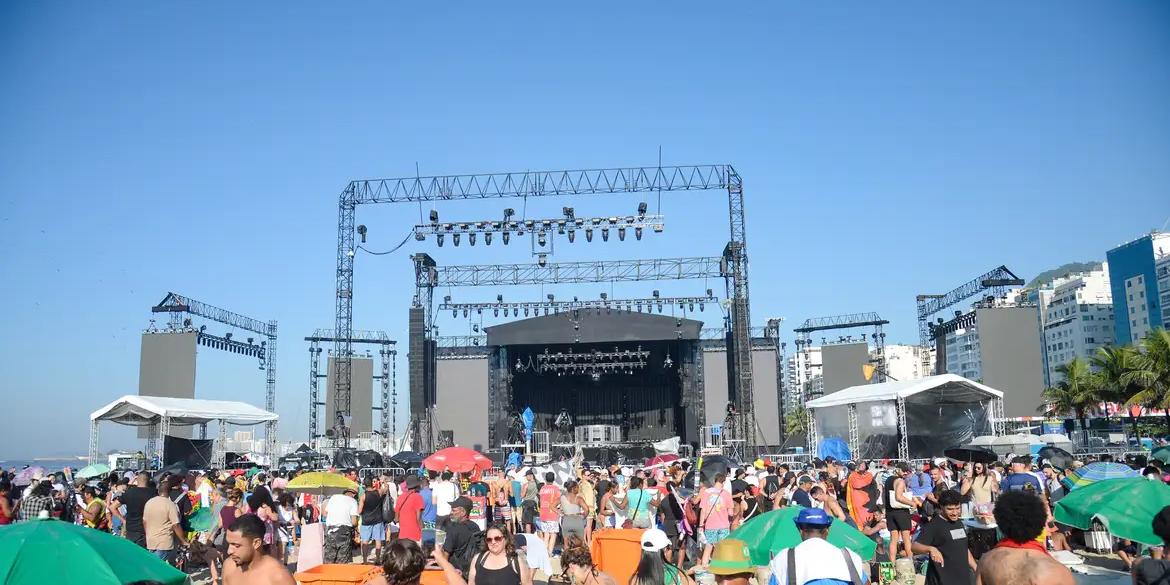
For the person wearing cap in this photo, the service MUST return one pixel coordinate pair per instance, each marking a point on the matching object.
(814, 560)
(731, 563)
(801, 496)
(654, 568)
(408, 511)
(460, 544)
(1020, 479)
(341, 521)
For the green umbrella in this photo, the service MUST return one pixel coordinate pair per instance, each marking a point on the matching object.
(1161, 454)
(95, 470)
(253, 472)
(772, 531)
(50, 551)
(1125, 506)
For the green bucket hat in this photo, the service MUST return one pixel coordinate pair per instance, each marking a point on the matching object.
(730, 557)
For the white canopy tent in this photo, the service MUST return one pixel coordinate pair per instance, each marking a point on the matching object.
(161, 413)
(888, 411)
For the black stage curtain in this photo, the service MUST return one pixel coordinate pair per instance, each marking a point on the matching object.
(194, 453)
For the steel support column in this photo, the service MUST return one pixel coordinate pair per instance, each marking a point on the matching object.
(93, 442)
(853, 439)
(314, 392)
(903, 436)
(219, 452)
(270, 391)
(343, 316)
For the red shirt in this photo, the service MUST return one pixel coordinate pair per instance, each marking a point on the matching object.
(407, 512)
(550, 496)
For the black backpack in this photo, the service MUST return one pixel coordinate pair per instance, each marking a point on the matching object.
(462, 558)
(389, 510)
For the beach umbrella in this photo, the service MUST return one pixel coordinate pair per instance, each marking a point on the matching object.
(660, 460)
(1059, 458)
(1161, 454)
(971, 455)
(25, 476)
(1125, 506)
(457, 459)
(321, 483)
(51, 551)
(1098, 471)
(95, 470)
(770, 532)
(711, 466)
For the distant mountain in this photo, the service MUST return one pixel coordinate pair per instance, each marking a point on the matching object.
(1050, 275)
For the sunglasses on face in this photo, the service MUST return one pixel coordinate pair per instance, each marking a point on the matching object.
(492, 539)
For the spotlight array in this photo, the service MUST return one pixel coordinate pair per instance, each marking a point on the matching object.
(593, 363)
(543, 229)
(648, 305)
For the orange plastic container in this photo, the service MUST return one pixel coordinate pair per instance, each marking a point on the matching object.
(338, 574)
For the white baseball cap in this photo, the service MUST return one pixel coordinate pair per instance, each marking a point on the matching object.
(654, 540)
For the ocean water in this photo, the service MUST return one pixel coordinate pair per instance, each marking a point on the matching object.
(50, 465)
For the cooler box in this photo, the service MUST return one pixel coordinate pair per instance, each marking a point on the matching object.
(338, 574)
(1098, 540)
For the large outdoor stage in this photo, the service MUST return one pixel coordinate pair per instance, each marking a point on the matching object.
(650, 375)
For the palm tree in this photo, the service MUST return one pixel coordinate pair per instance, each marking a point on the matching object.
(1072, 395)
(1151, 372)
(1111, 364)
(796, 423)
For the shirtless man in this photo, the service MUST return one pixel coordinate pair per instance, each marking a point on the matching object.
(248, 561)
(1020, 559)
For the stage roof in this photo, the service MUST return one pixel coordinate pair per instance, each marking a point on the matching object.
(145, 410)
(611, 325)
(953, 384)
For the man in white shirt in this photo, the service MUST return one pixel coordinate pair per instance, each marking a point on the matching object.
(341, 520)
(815, 560)
(443, 492)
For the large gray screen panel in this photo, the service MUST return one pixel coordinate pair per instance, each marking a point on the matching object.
(766, 401)
(715, 386)
(842, 365)
(462, 398)
(361, 397)
(166, 367)
(1009, 341)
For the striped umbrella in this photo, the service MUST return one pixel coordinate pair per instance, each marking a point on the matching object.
(1095, 472)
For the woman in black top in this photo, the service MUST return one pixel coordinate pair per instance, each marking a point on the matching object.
(498, 563)
(373, 529)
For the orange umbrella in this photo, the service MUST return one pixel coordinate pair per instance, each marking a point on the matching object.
(457, 459)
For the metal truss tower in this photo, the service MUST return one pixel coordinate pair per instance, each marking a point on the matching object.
(997, 282)
(734, 263)
(177, 304)
(850, 321)
(388, 402)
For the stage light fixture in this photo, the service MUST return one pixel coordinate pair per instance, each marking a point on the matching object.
(487, 238)
(605, 234)
(506, 237)
(638, 233)
(569, 212)
(465, 313)
(434, 216)
(439, 239)
(454, 313)
(540, 239)
(455, 239)
(525, 310)
(227, 336)
(642, 208)
(572, 236)
(496, 312)
(499, 298)
(446, 298)
(588, 234)
(657, 294)
(471, 238)
(691, 307)
(622, 234)
(542, 260)
(509, 212)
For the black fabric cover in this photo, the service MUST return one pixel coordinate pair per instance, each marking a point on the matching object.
(193, 453)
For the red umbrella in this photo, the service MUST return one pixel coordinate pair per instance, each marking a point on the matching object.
(661, 460)
(457, 459)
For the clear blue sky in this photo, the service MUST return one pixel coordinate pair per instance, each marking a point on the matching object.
(887, 149)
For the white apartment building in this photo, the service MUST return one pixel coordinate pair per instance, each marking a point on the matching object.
(1076, 320)
(803, 367)
(907, 362)
(963, 351)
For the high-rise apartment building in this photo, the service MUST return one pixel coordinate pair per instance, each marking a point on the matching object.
(1162, 272)
(907, 362)
(1133, 279)
(803, 373)
(1076, 319)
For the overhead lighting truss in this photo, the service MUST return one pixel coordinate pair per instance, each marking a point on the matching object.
(647, 304)
(542, 228)
(593, 363)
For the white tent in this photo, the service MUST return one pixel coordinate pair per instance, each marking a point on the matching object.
(160, 413)
(917, 414)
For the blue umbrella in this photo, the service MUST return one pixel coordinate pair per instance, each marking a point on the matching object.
(528, 417)
(834, 447)
(1099, 471)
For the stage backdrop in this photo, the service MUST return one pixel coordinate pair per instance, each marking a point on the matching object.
(166, 367)
(361, 397)
(842, 365)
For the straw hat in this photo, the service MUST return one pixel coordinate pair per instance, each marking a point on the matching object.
(730, 557)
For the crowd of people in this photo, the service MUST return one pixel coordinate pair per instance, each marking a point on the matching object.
(969, 522)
